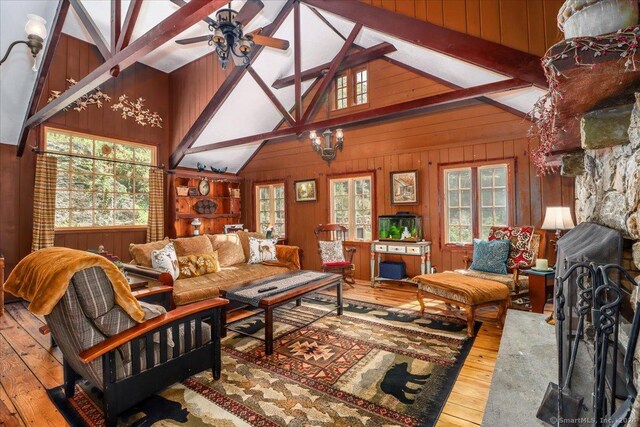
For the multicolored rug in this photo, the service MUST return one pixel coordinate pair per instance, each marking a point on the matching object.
(372, 366)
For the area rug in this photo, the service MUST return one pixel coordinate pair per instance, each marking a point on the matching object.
(372, 366)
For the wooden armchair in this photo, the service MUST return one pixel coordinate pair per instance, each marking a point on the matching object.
(333, 233)
(126, 360)
(517, 284)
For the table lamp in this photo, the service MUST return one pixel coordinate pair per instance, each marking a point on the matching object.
(558, 218)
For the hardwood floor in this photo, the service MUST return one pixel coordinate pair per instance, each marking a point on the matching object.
(29, 366)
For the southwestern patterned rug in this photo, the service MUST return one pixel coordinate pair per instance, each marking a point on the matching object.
(372, 366)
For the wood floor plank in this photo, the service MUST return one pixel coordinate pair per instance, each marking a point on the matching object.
(30, 323)
(25, 391)
(9, 416)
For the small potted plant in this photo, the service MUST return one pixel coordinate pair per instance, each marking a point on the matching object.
(269, 231)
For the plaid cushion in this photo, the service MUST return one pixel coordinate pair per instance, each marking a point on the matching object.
(94, 291)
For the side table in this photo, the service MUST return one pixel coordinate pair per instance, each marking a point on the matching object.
(378, 247)
(540, 282)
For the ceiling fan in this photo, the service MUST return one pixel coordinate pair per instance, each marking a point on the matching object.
(228, 37)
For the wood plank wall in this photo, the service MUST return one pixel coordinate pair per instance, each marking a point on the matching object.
(75, 58)
(527, 25)
(467, 132)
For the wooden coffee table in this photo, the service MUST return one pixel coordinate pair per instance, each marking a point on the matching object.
(297, 294)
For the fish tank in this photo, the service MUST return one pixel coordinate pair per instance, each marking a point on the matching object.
(401, 226)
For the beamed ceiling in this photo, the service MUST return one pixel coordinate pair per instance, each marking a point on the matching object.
(231, 129)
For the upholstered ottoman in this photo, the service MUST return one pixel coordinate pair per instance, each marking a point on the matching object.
(467, 292)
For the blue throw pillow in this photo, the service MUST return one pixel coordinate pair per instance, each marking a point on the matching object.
(490, 256)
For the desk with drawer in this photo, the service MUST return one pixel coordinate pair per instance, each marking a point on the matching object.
(421, 249)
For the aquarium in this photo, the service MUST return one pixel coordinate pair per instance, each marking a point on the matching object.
(401, 226)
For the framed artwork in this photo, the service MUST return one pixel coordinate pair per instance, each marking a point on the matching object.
(306, 190)
(404, 187)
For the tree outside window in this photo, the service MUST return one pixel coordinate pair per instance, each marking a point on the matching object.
(476, 198)
(351, 205)
(93, 190)
(270, 208)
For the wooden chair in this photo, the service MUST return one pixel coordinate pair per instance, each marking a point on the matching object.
(130, 361)
(332, 233)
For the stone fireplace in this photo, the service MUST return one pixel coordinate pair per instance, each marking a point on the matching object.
(608, 180)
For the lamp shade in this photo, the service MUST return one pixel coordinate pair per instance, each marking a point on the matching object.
(36, 25)
(558, 218)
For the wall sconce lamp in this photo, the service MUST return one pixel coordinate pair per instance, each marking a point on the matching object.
(36, 34)
(327, 150)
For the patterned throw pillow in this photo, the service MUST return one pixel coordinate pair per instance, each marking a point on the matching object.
(262, 250)
(165, 259)
(198, 265)
(490, 256)
(331, 251)
(520, 254)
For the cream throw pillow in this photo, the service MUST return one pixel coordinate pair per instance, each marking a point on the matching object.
(262, 250)
(166, 260)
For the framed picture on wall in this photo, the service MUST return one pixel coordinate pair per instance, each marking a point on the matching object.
(404, 187)
(306, 190)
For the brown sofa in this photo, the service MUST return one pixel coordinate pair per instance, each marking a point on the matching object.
(233, 254)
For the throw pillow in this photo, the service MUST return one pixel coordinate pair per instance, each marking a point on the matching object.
(490, 256)
(198, 265)
(165, 259)
(262, 250)
(141, 253)
(331, 251)
(520, 254)
(244, 241)
(229, 249)
(196, 245)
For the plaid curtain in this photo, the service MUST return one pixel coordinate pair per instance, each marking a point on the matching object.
(155, 226)
(44, 202)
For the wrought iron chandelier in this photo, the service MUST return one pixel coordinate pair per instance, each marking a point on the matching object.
(327, 150)
(229, 39)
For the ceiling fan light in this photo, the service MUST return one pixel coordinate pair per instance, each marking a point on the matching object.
(218, 37)
(36, 25)
(226, 15)
(245, 47)
(339, 134)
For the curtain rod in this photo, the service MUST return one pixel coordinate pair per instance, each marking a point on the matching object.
(80, 156)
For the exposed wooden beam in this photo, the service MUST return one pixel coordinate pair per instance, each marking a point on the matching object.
(91, 28)
(377, 115)
(116, 22)
(267, 91)
(351, 60)
(43, 70)
(170, 27)
(484, 53)
(327, 80)
(129, 24)
(297, 62)
(223, 91)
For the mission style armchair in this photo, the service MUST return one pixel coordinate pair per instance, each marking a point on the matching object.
(126, 360)
(330, 239)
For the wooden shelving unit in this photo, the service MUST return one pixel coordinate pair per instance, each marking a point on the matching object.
(223, 189)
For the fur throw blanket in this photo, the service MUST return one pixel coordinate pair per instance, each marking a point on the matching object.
(42, 278)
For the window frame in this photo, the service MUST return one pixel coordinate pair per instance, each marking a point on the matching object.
(42, 143)
(256, 204)
(346, 88)
(354, 84)
(475, 197)
(374, 225)
(351, 89)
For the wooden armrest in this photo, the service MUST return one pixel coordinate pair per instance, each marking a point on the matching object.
(161, 276)
(350, 250)
(467, 261)
(146, 292)
(144, 328)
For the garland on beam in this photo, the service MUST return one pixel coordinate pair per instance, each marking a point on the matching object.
(95, 97)
(624, 43)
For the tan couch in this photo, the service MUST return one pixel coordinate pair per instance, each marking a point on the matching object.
(233, 253)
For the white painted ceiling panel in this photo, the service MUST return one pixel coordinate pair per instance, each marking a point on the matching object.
(521, 99)
(16, 76)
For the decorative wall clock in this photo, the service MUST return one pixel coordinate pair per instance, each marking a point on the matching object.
(203, 187)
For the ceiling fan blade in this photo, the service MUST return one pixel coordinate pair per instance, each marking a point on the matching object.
(194, 40)
(249, 11)
(181, 3)
(271, 42)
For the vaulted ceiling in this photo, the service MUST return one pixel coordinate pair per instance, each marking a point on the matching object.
(235, 125)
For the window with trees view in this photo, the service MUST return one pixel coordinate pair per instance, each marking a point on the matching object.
(351, 205)
(361, 86)
(270, 208)
(341, 92)
(101, 182)
(476, 198)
